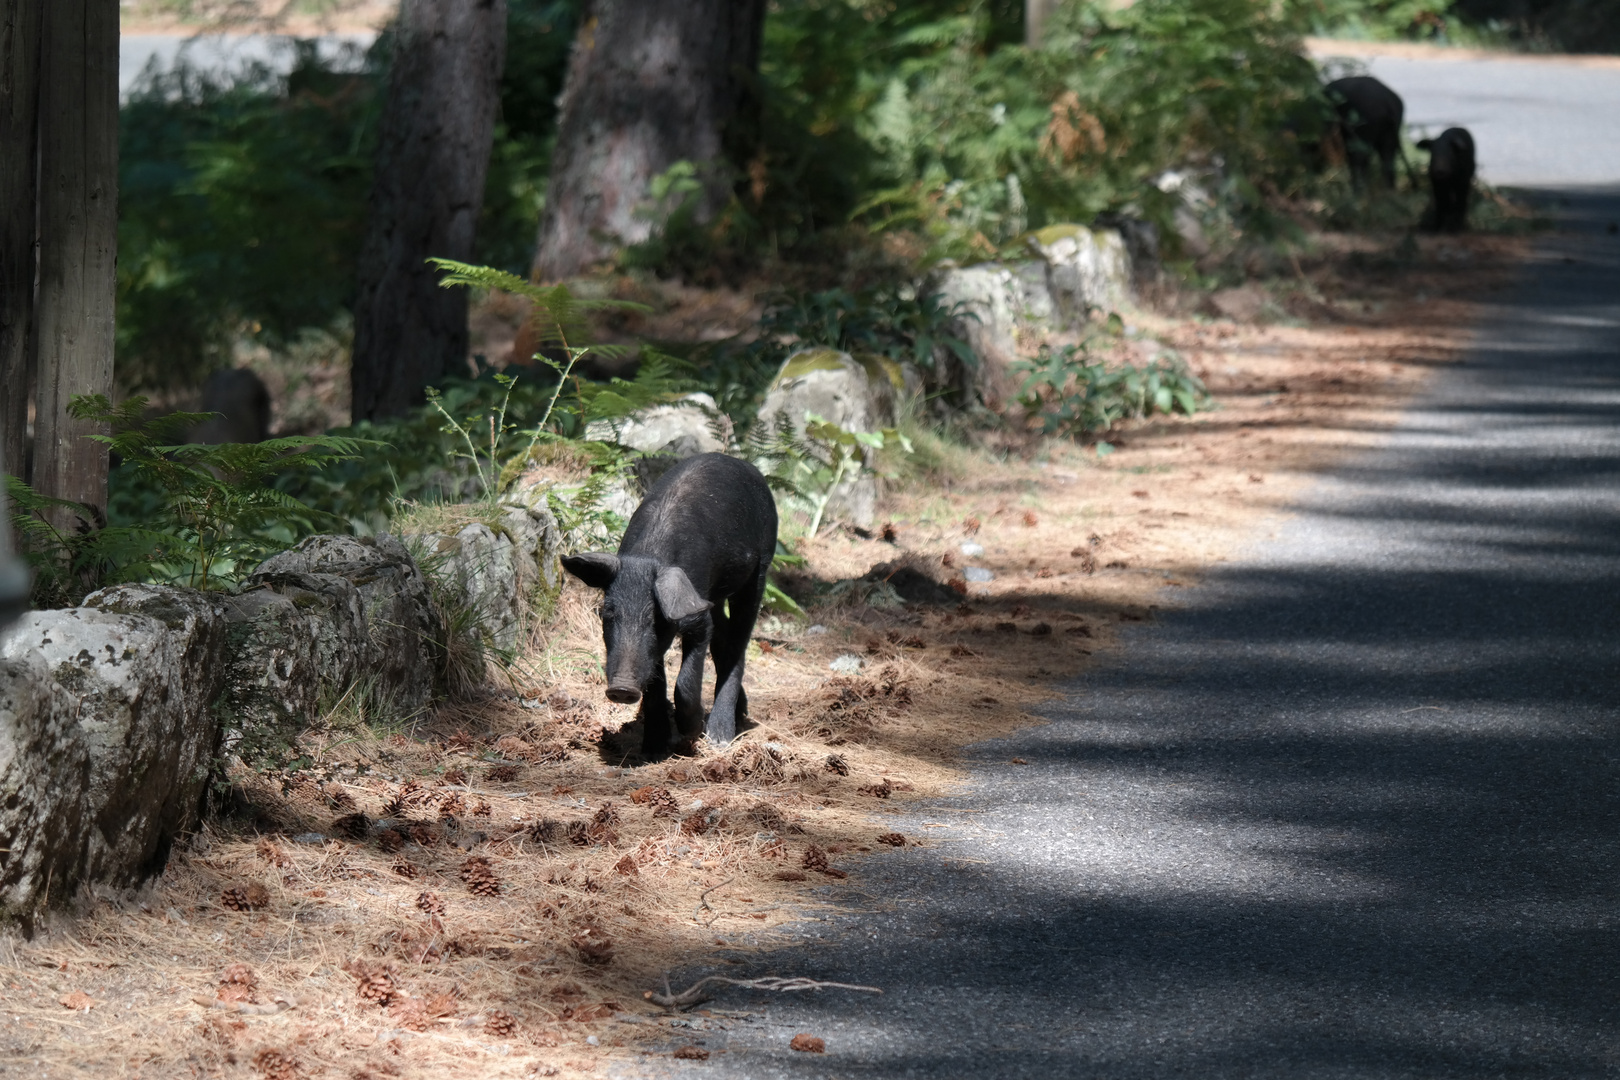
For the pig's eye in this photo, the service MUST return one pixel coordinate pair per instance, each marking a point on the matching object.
(608, 611)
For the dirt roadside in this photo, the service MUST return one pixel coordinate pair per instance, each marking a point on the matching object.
(490, 893)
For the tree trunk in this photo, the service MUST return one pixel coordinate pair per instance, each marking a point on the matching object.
(650, 83)
(437, 128)
(1035, 15)
(19, 116)
(78, 236)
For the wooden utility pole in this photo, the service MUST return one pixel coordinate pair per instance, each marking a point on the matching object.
(20, 22)
(78, 243)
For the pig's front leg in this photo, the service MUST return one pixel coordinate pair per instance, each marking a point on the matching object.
(689, 683)
(655, 717)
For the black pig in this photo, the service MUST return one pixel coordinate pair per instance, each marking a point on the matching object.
(1369, 122)
(692, 565)
(1451, 177)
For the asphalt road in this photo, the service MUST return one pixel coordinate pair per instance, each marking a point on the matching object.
(1353, 811)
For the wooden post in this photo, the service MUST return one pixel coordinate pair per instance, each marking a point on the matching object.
(19, 117)
(78, 233)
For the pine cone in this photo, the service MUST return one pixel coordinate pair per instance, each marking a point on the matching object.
(250, 897)
(452, 805)
(814, 858)
(236, 983)
(500, 1024)
(375, 982)
(423, 834)
(546, 831)
(275, 1065)
(579, 833)
(354, 826)
(271, 852)
(502, 774)
(390, 840)
(837, 764)
(480, 877)
(482, 809)
(593, 947)
(339, 798)
(407, 869)
(238, 975)
(455, 776)
(893, 839)
(431, 902)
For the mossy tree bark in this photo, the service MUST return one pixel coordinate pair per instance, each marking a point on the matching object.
(78, 244)
(437, 129)
(650, 83)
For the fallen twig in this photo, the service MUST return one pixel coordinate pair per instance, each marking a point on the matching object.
(282, 1004)
(703, 901)
(694, 995)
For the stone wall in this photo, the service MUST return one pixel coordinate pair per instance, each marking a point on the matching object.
(114, 715)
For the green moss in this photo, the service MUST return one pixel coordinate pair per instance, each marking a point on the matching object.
(811, 360)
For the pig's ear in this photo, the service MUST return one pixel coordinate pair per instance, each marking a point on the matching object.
(676, 597)
(596, 569)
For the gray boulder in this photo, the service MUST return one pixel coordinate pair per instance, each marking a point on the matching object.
(107, 737)
(836, 387)
(1006, 310)
(1086, 270)
(1010, 309)
(333, 614)
(497, 575)
(680, 428)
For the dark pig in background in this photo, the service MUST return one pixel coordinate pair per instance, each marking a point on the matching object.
(692, 565)
(242, 405)
(1369, 121)
(1451, 178)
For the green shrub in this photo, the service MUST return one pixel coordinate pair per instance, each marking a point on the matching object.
(1068, 393)
(240, 210)
(206, 515)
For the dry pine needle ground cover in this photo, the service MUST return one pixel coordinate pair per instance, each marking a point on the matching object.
(489, 892)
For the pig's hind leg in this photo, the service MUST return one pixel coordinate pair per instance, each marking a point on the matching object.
(732, 632)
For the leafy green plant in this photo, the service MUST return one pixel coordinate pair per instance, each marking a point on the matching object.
(808, 470)
(216, 518)
(1066, 392)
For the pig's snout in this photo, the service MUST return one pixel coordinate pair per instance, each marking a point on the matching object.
(624, 695)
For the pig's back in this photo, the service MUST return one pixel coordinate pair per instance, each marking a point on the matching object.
(712, 515)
